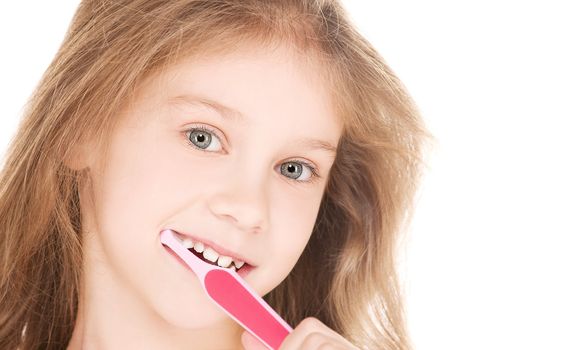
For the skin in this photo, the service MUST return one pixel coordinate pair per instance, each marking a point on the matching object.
(310, 334)
(134, 293)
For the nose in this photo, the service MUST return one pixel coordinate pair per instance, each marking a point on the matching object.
(243, 204)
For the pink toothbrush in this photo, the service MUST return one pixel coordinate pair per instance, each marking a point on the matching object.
(229, 291)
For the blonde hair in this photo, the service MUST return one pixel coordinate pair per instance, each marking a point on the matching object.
(346, 276)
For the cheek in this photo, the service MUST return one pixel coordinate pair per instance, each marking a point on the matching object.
(133, 192)
(294, 223)
(127, 196)
(185, 169)
(290, 229)
(139, 187)
(165, 174)
(137, 178)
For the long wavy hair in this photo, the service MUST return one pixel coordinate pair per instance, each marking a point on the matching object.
(347, 275)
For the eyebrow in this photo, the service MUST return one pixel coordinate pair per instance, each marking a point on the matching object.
(226, 112)
(236, 116)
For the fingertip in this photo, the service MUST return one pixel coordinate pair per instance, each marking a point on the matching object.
(249, 342)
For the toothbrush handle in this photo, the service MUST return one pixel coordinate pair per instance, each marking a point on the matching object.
(246, 307)
(199, 267)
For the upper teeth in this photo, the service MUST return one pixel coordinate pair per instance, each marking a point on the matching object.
(211, 255)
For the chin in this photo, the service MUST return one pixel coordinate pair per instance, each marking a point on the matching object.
(204, 317)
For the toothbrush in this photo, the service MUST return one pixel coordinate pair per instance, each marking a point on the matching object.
(232, 294)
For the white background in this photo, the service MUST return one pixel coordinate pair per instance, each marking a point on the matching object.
(484, 264)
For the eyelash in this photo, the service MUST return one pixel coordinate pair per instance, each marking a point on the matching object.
(315, 174)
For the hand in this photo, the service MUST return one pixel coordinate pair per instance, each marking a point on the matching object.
(310, 334)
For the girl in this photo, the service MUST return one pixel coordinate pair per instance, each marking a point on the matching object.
(270, 134)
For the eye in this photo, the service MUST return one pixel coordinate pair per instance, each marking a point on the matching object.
(202, 137)
(297, 170)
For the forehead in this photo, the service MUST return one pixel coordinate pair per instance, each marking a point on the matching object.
(254, 85)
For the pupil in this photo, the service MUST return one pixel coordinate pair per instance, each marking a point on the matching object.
(293, 169)
(200, 139)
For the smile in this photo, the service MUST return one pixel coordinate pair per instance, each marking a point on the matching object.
(211, 256)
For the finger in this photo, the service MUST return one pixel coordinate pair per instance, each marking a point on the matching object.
(313, 331)
(317, 340)
(323, 341)
(249, 342)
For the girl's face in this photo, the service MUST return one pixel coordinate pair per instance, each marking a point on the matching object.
(200, 151)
